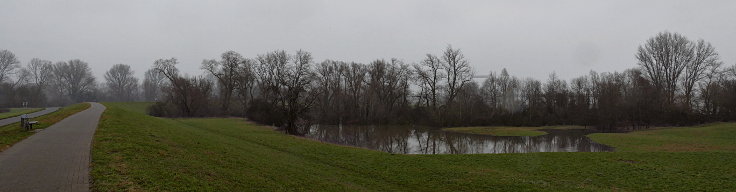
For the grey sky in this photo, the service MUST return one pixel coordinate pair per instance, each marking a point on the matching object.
(529, 38)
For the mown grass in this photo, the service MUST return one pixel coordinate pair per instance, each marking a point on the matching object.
(136, 152)
(508, 131)
(709, 137)
(137, 107)
(18, 111)
(11, 134)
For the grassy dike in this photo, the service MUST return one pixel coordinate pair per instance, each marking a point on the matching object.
(709, 137)
(136, 152)
(11, 134)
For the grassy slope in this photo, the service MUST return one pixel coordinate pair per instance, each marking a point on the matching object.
(18, 111)
(133, 151)
(508, 131)
(710, 137)
(11, 134)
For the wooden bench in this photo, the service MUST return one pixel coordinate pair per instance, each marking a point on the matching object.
(25, 123)
(31, 123)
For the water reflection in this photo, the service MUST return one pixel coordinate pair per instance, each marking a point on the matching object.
(418, 140)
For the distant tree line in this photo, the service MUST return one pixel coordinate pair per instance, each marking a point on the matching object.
(677, 82)
(43, 83)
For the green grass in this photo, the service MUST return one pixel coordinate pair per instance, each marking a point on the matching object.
(11, 134)
(508, 131)
(709, 137)
(137, 107)
(136, 152)
(18, 111)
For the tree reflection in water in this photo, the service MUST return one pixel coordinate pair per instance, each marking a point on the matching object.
(420, 140)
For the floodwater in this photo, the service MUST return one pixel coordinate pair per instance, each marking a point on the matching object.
(418, 140)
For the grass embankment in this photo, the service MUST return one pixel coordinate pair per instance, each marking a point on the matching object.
(18, 111)
(508, 131)
(11, 134)
(709, 137)
(136, 152)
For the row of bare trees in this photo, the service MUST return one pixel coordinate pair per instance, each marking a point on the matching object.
(275, 88)
(678, 81)
(42, 82)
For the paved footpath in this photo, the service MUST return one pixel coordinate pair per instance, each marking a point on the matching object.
(12, 120)
(55, 159)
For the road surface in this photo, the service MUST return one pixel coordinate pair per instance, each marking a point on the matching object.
(55, 159)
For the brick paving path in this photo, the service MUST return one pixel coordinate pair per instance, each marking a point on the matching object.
(55, 159)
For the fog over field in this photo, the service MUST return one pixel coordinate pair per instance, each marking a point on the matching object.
(530, 38)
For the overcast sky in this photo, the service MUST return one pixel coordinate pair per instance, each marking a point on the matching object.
(529, 38)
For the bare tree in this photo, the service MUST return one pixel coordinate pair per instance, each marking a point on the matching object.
(22, 77)
(56, 85)
(153, 81)
(270, 72)
(330, 83)
(664, 58)
(355, 78)
(508, 87)
(457, 71)
(532, 97)
(429, 73)
(8, 64)
(245, 82)
(226, 72)
(121, 82)
(298, 96)
(387, 89)
(705, 59)
(41, 72)
(555, 96)
(580, 96)
(190, 95)
(490, 91)
(286, 90)
(76, 79)
(167, 68)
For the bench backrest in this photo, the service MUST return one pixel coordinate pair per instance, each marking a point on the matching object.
(24, 121)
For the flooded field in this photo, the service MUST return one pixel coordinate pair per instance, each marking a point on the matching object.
(420, 140)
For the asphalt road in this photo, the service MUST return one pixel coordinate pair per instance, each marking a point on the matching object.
(54, 159)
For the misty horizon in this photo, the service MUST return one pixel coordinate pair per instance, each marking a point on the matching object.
(529, 39)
